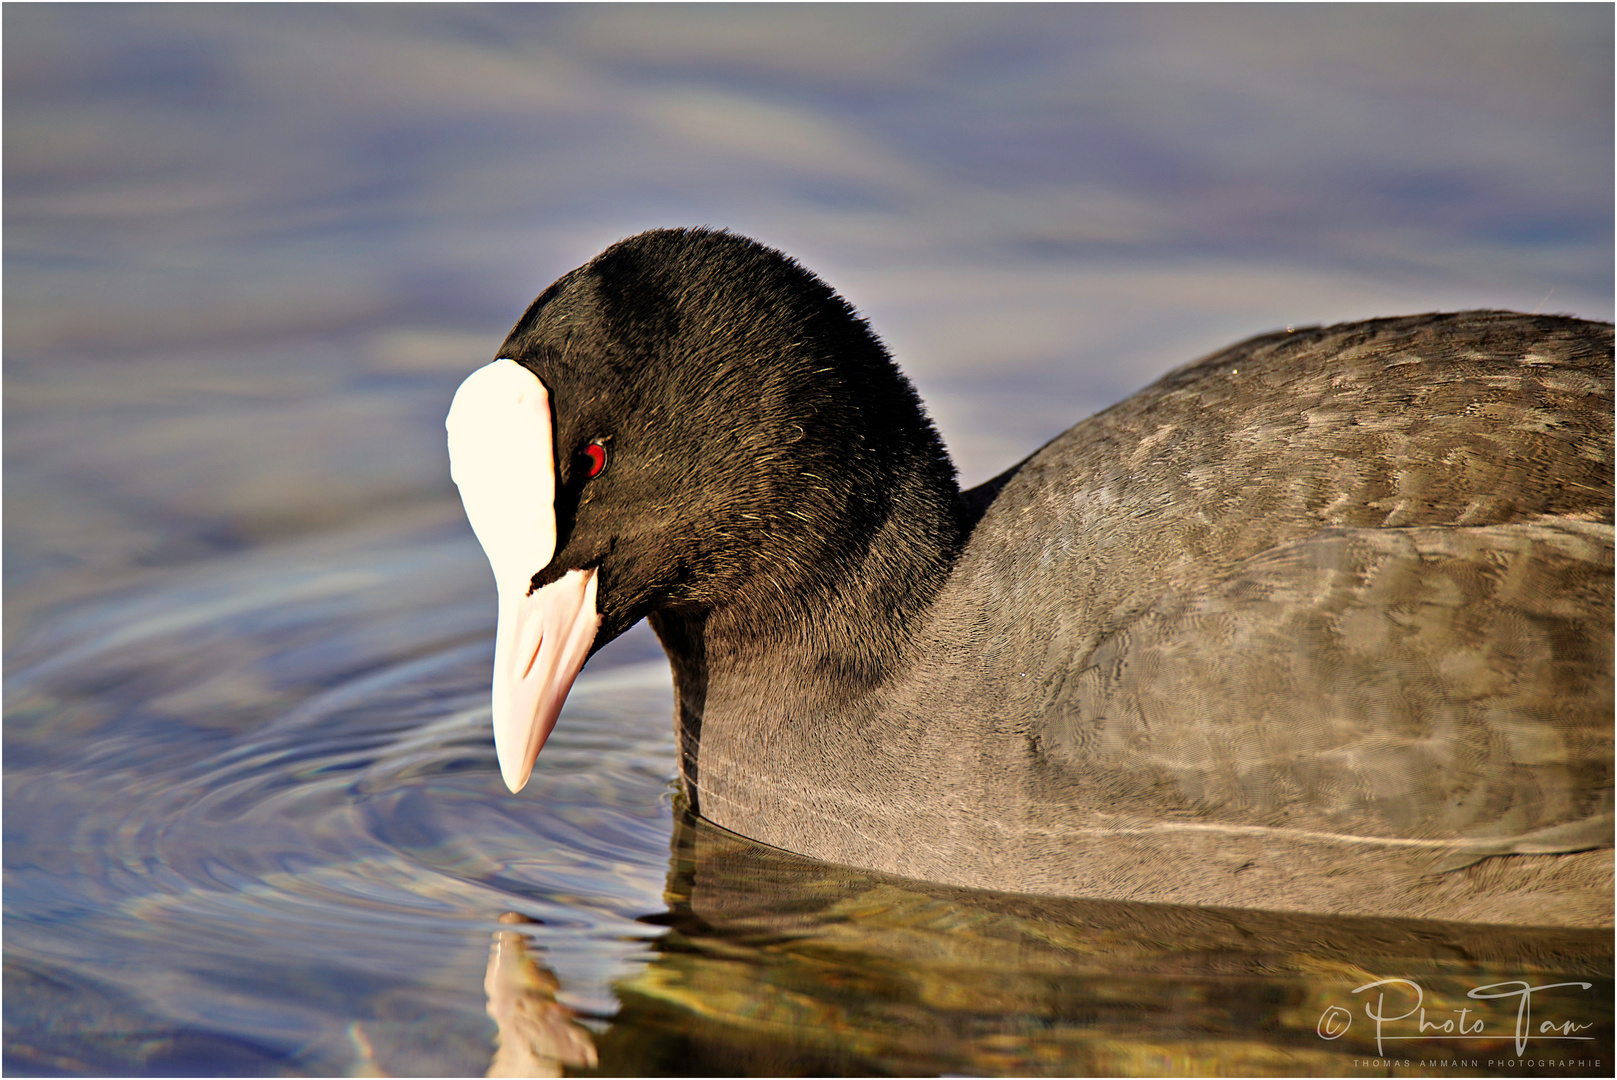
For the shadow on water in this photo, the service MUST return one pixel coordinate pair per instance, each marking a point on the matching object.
(778, 965)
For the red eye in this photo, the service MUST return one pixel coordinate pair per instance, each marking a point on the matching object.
(594, 459)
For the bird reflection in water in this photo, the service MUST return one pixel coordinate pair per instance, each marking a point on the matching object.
(770, 964)
(537, 1034)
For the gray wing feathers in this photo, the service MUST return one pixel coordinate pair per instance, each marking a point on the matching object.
(1354, 581)
(1440, 683)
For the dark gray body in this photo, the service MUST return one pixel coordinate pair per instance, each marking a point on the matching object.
(1322, 622)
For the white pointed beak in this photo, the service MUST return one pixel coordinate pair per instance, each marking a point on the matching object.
(502, 457)
(543, 640)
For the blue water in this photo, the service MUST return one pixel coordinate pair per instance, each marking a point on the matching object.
(253, 822)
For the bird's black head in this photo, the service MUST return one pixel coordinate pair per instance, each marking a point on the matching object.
(695, 428)
(746, 431)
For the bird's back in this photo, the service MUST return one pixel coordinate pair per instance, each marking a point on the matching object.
(1352, 582)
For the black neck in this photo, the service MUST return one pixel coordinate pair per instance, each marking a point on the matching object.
(819, 636)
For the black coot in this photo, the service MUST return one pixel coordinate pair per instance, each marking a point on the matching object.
(1322, 622)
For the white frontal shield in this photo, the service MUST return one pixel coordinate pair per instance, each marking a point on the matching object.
(502, 457)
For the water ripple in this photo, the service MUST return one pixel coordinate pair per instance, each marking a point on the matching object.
(227, 785)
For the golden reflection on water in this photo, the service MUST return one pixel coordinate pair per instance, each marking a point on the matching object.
(537, 1035)
(778, 965)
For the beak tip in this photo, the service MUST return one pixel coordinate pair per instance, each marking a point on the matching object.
(514, 780)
